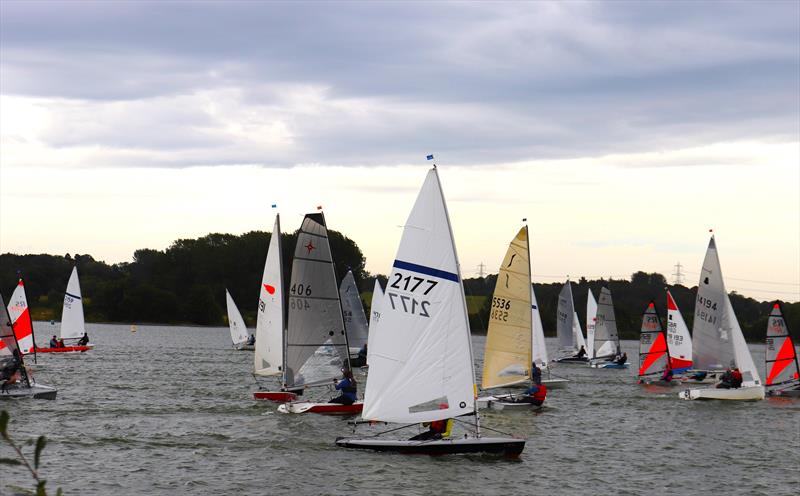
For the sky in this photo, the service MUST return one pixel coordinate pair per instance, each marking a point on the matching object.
(622, 131)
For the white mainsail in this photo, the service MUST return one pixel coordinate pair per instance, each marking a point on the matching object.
(678, 338)
(606, 340)
(355, 320)
(576, 330)
(72, 323)
(742, 356)
(375, 314)
(507, 354)
(564, 319)
(316, 343)
(591, 319)
(538, 349)
(270, 318)
(420, 354)
(711, 329)
(239, 332)
(21, 319)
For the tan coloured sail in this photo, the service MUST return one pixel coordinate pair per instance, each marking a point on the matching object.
(507, 356)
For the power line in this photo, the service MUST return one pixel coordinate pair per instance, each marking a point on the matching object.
(481, 267)
(678, 275)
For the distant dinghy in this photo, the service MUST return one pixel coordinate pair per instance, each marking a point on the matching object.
(678, 338)
(783, 372)
(654, 354)
(239, 334)
(718, 339)
(355, 320)
(21, 320)
(568, 340)
(73, 325)
(606, 338)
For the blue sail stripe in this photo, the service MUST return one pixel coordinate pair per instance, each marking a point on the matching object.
(72, 295)
(428, 271)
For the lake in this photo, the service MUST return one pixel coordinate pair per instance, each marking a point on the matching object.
(168, 410)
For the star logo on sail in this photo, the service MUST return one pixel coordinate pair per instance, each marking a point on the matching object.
(309, 247)
(270, 289)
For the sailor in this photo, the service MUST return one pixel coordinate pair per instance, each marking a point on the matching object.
(61, 343)
(536, 373)
(581, 352)
(251, 340)
(667, 375)
(535, 395)
(621, 360)
(84, 340)
(348, 387)
(362, 353)
(437, 429)
(8, 374)
(54, 342)
(736, 378)
(726, 381)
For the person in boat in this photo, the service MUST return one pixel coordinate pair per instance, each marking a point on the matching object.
(348, 387)
(622, 359)
(84, 340)
(9, 374)
(536, 373)
(535, 395)
(437, 429)
(736, 378)
(362, 353)
(54, 342)
(699, 375)
(61, 343)
(581, 353)
(667, 375)
(726, 381)
(251, 340)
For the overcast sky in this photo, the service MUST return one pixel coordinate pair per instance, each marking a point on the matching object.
(623, 131)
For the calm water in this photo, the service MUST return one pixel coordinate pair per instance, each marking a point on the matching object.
(167, 410)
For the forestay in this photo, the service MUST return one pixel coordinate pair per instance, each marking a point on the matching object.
(711, 329)
(355, 320)
(419, 355)
(316, 347)
(606, 340)
(653, 352)
(239, 332)
(564, 318)
(21, 318)
(781, 356)
(72, 323)
(591, 319)
(678, 338)
(270, 327)
(507, 353)
(538, 348)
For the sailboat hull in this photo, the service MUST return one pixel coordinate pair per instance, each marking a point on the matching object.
(65, 349)
(572, 360)
(276, 396)
(752, 393)
(502, 403)
(507, 447)
(321, 408)
(609, 365)
(37, 391)
(794, 392)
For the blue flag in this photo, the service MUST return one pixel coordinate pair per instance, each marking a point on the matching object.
(430, 157)
(274, 205)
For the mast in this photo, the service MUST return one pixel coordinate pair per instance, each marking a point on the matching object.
(284, 319)
(530, 287)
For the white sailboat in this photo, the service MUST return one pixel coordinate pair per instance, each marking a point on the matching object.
(568, 341)
(73, 326)
(718, 339)
(316, 342)
(355, 320)
(420, 352)
(240, 336)
(591, 319)
(783, 372)
(21, 319)
(654, 354)
(606, 338)
(15, 380)
(678, 338)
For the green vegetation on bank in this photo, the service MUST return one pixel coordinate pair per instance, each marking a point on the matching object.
(185, 284)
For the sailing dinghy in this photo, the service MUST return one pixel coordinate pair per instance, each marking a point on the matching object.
(538, 348)
(355, 320)
(606, 338)
(678, 339)
(783, 373)
(239, 334)
(420, 352)
(654, 354)
(15, 380)
(73, 325)
(591, 319)
(21, 319)
(718, 339)
(316, 342)
(568, 341)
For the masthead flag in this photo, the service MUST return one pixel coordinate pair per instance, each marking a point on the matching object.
(430, 157)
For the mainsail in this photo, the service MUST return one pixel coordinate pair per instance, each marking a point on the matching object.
(355, 320)
(711, 329)
(507, 355)
(606, 340)
(270, 318)
(781, 357)
(8, 342)
(653, 351)
(538, 349)
(316, 346)
(678, 338)
(564, 319)
(420, 355)
(591, 319)
(239, 332)
(576, 330)
(21, 319)
(375, 314)
(72, 323)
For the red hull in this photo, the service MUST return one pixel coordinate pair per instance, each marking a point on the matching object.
(65, 349)
(276, 396)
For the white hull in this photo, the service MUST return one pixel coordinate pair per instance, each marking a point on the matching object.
(501, 402)
(752, 393)
(38, 391)
(608, 365)
(555, 383)
(245, 347)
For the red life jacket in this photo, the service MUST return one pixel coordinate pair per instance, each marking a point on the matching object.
(541, 394)
(438, 426)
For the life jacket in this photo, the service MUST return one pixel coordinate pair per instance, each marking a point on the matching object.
(541, 394)
(442, 427)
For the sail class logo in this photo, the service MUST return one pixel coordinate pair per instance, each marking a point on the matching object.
(270, 289)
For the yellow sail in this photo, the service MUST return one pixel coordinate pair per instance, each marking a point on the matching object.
(507, 356)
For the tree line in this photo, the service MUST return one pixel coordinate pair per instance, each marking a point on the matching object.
(185, 284)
